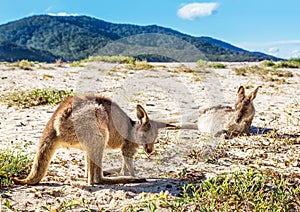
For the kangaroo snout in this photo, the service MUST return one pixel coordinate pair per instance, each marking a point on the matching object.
(149, 148)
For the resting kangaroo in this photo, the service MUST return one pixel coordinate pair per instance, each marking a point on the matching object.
(93, 123)
(224, 119)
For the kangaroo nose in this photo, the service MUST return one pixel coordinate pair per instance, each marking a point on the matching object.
(148, 150)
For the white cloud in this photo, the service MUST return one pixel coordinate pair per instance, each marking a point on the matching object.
(273, 51)
(194, 10)
(295, 53)
(280, 48)
(63, 14)
(49, 9)
(284, 42)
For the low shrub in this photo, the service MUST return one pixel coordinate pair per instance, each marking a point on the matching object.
(110, 59)
(24, 64)
(36, 97)
(139, 65)
(268, 63)
(217, 65)
(76, 64)
(202, 64)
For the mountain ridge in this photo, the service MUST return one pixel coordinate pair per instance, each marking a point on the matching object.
(76, 37)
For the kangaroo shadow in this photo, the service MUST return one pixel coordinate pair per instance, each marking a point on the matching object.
(153, 185)
(260, 130)
(272, 132)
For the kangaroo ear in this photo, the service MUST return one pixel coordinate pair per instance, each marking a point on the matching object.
(141, 114)
(252, 95)
(241, 91)
(165, 125)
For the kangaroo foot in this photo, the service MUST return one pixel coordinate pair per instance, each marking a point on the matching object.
(112, 171)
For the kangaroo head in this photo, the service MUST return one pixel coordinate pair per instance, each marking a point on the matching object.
(146, 131)
(244, 106)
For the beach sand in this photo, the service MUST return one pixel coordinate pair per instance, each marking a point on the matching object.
(171, 92)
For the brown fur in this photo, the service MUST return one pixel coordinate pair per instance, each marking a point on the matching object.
(223, 119)
(241, 118)
(93, 123)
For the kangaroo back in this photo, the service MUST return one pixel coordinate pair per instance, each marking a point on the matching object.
(213, 120)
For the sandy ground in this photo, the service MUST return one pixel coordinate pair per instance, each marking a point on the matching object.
(170, 92)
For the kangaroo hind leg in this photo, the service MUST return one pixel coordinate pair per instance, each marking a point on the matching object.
(94, 156)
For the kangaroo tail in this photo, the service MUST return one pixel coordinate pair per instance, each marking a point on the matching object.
(41, 162)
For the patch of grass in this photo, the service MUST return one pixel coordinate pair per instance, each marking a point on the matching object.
(280, 73)
(36, 97)
(202, 64)
(293, 63)
(185, 69)
(295, 60)
(73, 204)
(265, 73)
(243, 71)
(13, 163)
(139, 65)
(110, 59)
(249, 190)
(249, 86)
(268, 63)
(63, 206)
(47, 76)
(217, 65)
(24, 64)
(76, 64)
(5, 63)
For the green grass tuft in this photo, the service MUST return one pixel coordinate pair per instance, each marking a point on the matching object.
(22, 64)
(139, 65)
(264, 70)
(202, 64)
(217, 65)
(13, 163)
(110, 59)
(295, 60)
(36, 97)
(248, 190)
(268, 63)
(76, 64)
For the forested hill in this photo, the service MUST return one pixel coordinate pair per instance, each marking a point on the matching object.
(70, 38)
(14, 52)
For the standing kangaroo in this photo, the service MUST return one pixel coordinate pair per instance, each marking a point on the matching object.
(93, 123)
(224, 119)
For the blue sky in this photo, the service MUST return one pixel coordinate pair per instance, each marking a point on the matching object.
(270, 26)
